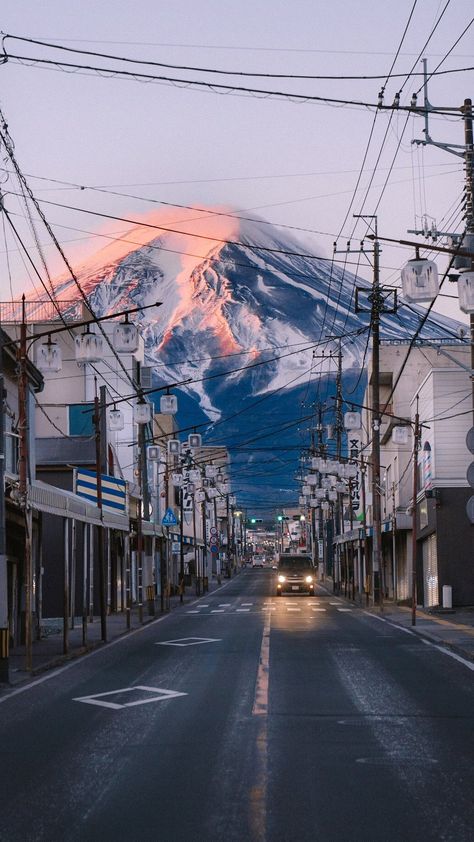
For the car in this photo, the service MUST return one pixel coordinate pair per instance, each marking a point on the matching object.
(296, 574)
(257, 561)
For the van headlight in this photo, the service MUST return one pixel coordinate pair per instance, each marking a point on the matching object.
(309, 579)
(282, 579)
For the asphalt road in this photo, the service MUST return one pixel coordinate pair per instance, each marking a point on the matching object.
(293, 718)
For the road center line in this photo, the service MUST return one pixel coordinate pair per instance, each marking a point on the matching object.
(260, 705)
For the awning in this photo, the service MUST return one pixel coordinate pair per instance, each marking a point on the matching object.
(57, 501)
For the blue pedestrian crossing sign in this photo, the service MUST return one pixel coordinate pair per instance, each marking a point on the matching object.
(169, 518)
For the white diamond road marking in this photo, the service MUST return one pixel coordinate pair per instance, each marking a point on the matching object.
(188, 641)
(97, 698)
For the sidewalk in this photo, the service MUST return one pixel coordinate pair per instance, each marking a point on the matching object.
(48, 652)
(453, 629)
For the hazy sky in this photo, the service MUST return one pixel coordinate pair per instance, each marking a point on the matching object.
(295, 164)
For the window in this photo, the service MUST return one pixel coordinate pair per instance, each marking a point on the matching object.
(81, 419)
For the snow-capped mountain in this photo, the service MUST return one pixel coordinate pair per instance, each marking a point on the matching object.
(243, 307)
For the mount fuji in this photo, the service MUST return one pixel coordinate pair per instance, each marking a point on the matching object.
(244, 307)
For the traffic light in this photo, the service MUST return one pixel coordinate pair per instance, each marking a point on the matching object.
(280, 517)
(253, 520)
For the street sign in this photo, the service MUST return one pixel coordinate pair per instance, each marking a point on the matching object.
(169, 518)
(214, 548)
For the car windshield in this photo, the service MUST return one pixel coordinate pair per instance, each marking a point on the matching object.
(295, 562)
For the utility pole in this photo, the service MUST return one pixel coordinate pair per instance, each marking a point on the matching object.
(100, 543)
(469, 188)
(4, 630)
(23, 471)
(414, 552)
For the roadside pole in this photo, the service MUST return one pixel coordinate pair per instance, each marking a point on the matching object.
(4, 631)
(416, 444)
(100, 543)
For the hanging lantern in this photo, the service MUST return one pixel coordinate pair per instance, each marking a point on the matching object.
(174, 447)
(200, 496)
(125, 337)
(315, 463)
(352, 421)
(312, 479)
(332, 466)
(177, 479)
(323, 466)
(332, 495)
(116, 419)
(329, 431)
(400, 435)
(89, 347)
(49, 357)
(194, 475)
(142, 412)
(306, 489)
(211, 471)
(466, 291)
(325, 506)
(314, 502)
(153, 453)
(340, 487)
(302, 501)
(195, 440)
(420, 280)
(350, 470)
(168, 404)
(320, 493)
(326, 482)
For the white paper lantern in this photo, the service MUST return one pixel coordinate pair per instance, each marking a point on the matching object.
(142, 412)
(332, 466)
(168, 404)
(302, 501)
(332, 495)
(177, 479)
(194, 475)
(320, 493)
(314, 502)
(466, 292)
(48, 357)
(89, 347)
(400, 435)
(174, 447)
(125, 337)
(315, 463)
(352, 421)
(326, 482)
(420, 280)
(211, 471)
(325, 506)
(350, 470)
(312, 479)
(116, 419)
(195, 440)
(200, 496)
(306, 489)
(153, 453)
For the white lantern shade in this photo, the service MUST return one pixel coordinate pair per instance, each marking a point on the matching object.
(194, 475)
(125, 338)
(116, 419)
(314, 502)
(200, 496)
(332, 495)
(177, 479)
(315, 463)
(153, 453)
(174, 446)
(341, 487)
(320, 493)
(306, 489)
(323, 466)
(168, 404)
(142, 412)
(332, 466)
(232, 500)
(400, 435)
(350, 471)
(325, 506)
(420, 280)
(312, 479)
(211, 471)
(352, 421)
(49, 357)
(302, 501)
(89, 347)
(326, 482)
(212, 492)
(195, 440)
(466, 292)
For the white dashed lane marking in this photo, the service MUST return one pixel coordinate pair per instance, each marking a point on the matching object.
(217, 611)
(242, 609)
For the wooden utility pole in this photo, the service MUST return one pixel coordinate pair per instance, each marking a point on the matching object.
(23, 470)
(100, 543)
(416, 445)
